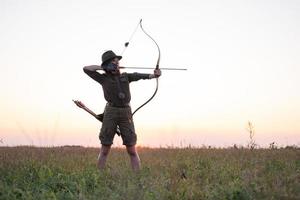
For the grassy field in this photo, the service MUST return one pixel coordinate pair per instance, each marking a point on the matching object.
(71, 173)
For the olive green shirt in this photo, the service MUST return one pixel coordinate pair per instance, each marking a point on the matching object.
(113, 85)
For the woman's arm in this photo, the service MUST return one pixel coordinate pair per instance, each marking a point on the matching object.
(91, 71)
(137, 76)
(92, 68)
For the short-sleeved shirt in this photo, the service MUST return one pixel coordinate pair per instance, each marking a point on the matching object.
(113, 85)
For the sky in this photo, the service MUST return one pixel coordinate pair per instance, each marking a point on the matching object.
(242, 58)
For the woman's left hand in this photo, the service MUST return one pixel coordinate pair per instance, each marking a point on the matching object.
(157, 73)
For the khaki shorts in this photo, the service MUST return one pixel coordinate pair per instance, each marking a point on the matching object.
(113, 117)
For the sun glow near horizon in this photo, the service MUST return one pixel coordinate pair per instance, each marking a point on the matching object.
(242, 60)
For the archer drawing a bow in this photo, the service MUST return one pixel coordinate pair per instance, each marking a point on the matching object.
(112, 67)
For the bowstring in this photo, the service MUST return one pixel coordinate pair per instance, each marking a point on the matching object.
(130, 38)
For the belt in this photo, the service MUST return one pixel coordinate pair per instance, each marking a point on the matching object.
(126, 105)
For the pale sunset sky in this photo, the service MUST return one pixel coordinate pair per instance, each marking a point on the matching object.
(242, 58)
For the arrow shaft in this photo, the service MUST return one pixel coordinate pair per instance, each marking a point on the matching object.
(152, 68)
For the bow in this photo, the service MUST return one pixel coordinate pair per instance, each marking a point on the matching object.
(156, 67)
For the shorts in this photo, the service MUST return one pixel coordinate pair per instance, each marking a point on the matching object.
(113, 117)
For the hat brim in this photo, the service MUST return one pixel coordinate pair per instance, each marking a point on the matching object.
(119, 57)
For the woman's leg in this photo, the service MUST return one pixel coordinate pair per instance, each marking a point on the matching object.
(104, 151)
(134, 157)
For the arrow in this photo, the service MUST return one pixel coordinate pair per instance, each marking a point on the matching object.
(151, 68)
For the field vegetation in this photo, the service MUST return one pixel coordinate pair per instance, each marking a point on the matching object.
(167, 173)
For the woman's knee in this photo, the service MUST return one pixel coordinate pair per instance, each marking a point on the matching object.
(131, 150)
(105, 150)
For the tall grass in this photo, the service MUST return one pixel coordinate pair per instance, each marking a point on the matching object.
(71, 173)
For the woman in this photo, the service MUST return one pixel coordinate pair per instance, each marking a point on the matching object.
(117, 112)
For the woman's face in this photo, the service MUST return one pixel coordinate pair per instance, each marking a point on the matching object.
(115, 61)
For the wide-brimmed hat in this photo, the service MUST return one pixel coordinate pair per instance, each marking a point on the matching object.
(108, 55)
